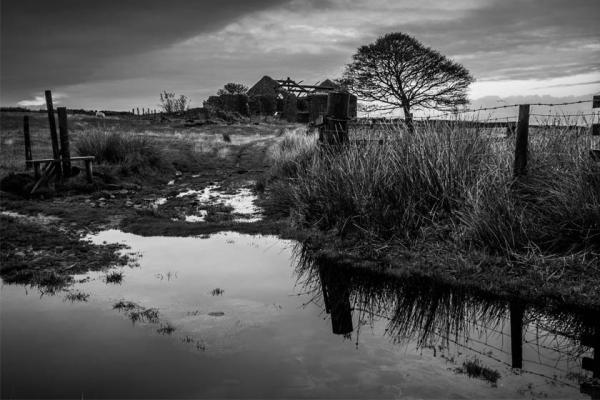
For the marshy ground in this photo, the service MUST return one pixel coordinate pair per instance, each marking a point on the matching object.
(201, 181)
(199, 277)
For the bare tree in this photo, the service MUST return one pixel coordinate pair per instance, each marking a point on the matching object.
(397, 71)
(232, 88)
(171, 104)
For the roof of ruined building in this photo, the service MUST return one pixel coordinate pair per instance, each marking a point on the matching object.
(328, 83)
(266, 86)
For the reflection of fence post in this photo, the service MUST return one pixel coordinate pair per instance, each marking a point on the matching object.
(27, 138)
(64, 140)
(336, 296)
(520, 165)
(516, 334)
(595, 152)
(592, 364)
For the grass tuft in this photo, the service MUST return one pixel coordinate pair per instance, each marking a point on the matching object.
(133, 154)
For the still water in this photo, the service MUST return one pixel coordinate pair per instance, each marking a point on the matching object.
(235, 315)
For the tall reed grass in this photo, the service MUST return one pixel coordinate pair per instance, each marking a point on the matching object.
(446, 182)
(132, 154)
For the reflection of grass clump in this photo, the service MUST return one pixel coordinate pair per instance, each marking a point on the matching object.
(135, 312)
(166, 329)
(77, 296)
(475, 370)
(114, 277)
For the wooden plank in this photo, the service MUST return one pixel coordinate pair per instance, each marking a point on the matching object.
(64, 141)
(521, 145)
(48, 171)
(46, 160)
(27, 138)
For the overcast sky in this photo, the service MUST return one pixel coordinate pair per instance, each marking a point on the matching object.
(121, 54)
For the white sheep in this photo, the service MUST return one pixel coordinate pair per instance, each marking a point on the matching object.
(100, 114)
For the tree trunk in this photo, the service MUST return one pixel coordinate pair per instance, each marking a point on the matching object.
(408, 119)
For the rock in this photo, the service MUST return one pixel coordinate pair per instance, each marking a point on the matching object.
(178, 173)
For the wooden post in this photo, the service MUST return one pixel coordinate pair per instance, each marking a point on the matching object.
(336, 121)
(595, 145)
(53, 133)
(516, 334)
(138, 111)
(65, 149)
(88, 170)
(28, 156)
(520, 165)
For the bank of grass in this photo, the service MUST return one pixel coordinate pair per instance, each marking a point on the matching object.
(445, 195)
(46, 255)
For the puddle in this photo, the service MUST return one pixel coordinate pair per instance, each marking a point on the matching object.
(241, 201)
(234, 315)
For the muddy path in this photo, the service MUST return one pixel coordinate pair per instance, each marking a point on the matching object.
(218, 194)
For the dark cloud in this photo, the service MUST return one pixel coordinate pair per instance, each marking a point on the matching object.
(120, 53)
(61, 42)
(505, 38)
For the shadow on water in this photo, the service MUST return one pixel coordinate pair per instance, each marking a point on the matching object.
(562, 347)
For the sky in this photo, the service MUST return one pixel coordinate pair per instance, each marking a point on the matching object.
(117, 55)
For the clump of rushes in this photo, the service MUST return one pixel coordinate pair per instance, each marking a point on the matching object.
(133, 154)
(449, 181)
(226, 138)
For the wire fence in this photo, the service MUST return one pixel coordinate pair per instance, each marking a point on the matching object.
(542, 113)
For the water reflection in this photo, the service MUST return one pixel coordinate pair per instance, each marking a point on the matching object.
(561, 347)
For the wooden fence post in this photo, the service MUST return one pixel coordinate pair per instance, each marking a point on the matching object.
(27, 138)
(520, 165)
(53, 133)
(64, 141)
(336, 120)
(595, 150)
